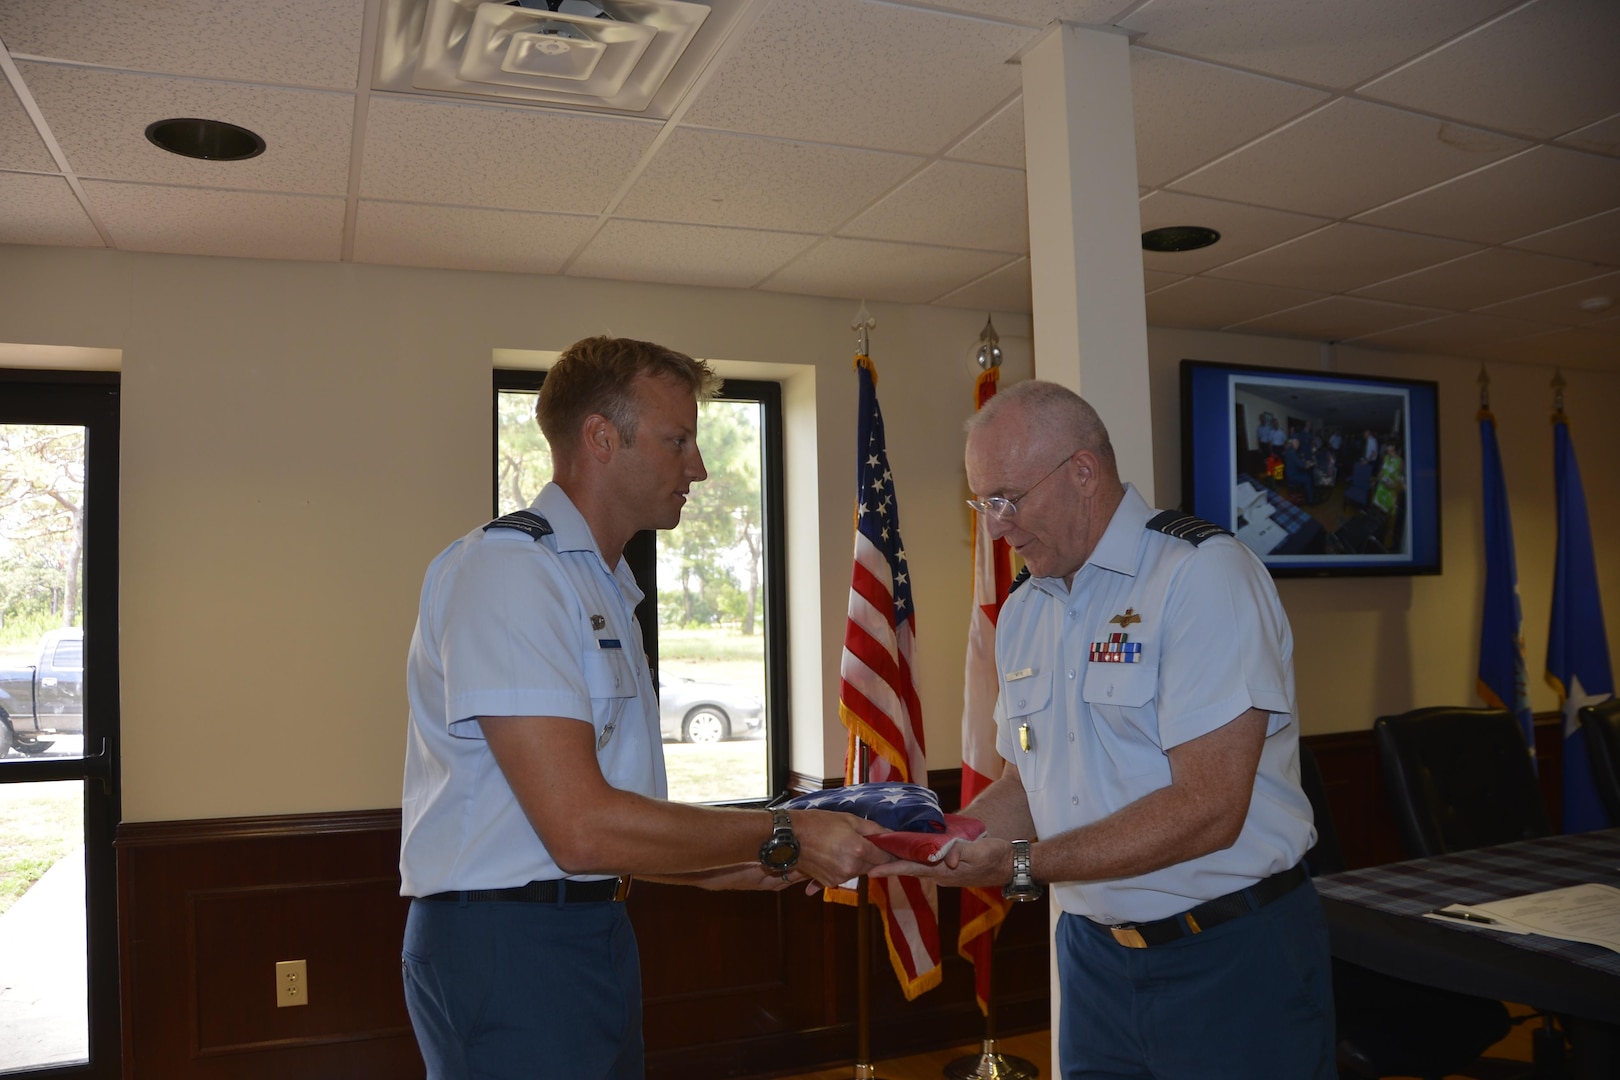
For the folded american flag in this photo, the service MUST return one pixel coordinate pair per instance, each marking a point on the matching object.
(922, 831)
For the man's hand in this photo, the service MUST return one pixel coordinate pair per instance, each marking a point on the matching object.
(982, 863)
(833, 847)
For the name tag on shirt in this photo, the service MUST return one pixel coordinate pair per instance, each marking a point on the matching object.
(1022, 673)
(608, 643)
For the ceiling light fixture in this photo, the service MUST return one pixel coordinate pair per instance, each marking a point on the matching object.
(207, 140)
(1596, 303)
(1179, 238)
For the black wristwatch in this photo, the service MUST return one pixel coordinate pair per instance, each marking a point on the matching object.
(1023, 886)
(781, 851)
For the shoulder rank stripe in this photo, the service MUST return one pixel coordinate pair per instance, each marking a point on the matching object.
(1185, 527)
(523, 521)
(1023, 576)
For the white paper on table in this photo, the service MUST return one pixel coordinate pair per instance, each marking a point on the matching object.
(1589, 913)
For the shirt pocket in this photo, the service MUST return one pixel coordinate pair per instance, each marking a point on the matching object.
(1121, 700)
(1033, 724)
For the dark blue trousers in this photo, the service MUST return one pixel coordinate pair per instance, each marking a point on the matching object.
(503, 991)
(1251, 998)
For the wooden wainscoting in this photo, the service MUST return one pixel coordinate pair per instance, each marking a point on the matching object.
(736, 984)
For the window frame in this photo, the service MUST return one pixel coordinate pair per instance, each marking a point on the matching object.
(641, 553)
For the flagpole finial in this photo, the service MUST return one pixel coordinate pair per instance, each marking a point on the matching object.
(863, 325)
(989, 355)
(1484, 390)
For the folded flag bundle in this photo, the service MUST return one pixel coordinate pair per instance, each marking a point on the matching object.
(923, 832)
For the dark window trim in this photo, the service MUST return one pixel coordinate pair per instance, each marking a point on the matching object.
(641, 553)
(89, 399)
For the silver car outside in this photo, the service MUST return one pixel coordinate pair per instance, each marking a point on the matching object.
(700, 712)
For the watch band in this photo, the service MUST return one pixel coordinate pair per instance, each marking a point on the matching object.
(1023, 887)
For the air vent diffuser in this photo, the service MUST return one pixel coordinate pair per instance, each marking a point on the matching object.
(637, 57)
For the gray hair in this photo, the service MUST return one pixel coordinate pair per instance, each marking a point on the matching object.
(1054, 408)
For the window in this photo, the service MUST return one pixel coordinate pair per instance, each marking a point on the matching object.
(715, 618)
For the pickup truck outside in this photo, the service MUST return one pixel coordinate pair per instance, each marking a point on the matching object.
(42, 700)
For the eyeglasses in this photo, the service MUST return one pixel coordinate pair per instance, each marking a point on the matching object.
(1002, 508)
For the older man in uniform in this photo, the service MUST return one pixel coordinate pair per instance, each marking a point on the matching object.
(534, 770)
(1147, 717)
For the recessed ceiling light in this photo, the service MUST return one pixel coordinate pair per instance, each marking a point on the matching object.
(1596, 303)
(209, 140)
(1179, 238)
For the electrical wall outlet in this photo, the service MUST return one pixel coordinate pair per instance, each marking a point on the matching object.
(292, 983)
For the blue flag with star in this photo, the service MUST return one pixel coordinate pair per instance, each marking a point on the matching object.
(1577, 645)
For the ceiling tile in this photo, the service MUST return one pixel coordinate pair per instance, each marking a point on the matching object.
(873, 270)
(1597, 239)
(1158, 279)
(997, 141)
(1244, 229)
(1007, 289)
(199, 221)
(1187, 113)
(1530, 192)
(862, 74)
(720, 178)
(1455, 334)
(461, 238)
(100, 119)
(1587, 347)
(476, 155)
(1338, 318)
(20, 145)
(1562, 305)
(292, 42)
(43, 210)
(1541, 71)
(953, 203)
(1336, 45)
(1207, 302)
(1041, 12)
(1342, 257)
(686, 254)
(1487, 277)
(1602, 137)
(1347, 157)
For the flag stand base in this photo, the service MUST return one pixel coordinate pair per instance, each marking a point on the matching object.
(990, 1065)
(865, 1072)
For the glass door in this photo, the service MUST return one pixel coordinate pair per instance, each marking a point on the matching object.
(58, 724)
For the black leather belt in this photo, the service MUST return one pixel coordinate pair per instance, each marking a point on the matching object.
(561, 891)
(1211, 913)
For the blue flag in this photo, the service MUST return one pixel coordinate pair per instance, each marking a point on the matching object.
(1577, 646)
(1502, 679)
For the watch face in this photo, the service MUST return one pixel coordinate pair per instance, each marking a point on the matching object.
(781, 855)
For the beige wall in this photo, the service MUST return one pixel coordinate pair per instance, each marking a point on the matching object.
(300, 439)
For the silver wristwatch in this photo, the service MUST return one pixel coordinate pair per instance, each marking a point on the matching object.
(1023, 886)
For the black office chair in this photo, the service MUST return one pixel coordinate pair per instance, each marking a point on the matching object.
(1600, 727)
(1388, 1026)
(1459, 779)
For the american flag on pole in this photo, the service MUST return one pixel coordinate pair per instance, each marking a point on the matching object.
(982, 909)
(877, 698)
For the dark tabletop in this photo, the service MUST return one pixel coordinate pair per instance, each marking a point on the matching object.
(1375, 918)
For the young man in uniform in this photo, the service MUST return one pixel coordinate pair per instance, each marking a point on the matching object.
(1147, 717)
(534, 770)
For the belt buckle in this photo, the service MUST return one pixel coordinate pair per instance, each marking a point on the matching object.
(1128, 936)
(622, 890)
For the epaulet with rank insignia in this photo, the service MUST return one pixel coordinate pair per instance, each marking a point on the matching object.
(1194, 530)
(523, 521)
(1023, 576)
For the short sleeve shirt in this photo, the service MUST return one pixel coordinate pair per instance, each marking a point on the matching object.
(511, 625)
(1158, 642)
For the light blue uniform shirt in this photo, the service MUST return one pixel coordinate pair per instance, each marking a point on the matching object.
(513, 626)
(1214, 642)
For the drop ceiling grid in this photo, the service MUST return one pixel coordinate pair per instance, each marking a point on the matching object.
(862, 74)
(21, 148)
(1244, 229)
(953, 204)
(880, 270)
(37, 209)
(199, 221)
(465, 238)
(1481, 279)
(689, 254)
(1338, 318)
(1007, 289)
(1561, 304)
(99, 117)
(1595, 239)
(281, 42)
(1212, 302)
(1342, 257)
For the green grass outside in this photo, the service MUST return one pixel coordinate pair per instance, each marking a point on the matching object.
(39, 823)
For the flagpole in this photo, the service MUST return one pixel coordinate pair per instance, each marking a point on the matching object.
(990, 1063)
(864, 1069)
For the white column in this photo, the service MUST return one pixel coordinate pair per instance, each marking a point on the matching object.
(1085, 233)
